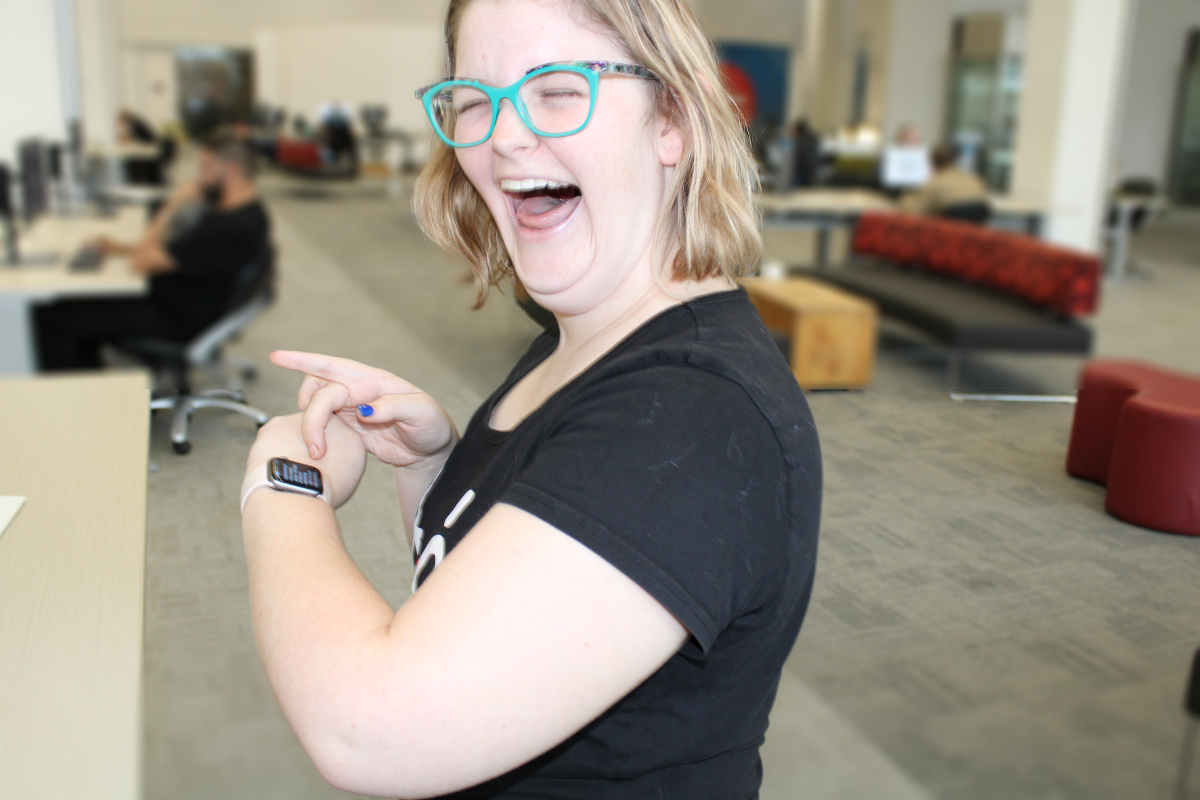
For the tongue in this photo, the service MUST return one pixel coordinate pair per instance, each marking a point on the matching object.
(544, 211)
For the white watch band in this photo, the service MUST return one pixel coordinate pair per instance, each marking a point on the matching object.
(256, 479)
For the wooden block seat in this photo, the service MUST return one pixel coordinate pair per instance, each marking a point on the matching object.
(1137, 431)
(831, 333)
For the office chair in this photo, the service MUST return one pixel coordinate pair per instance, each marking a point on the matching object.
(252, 293)
(1132, 206)
(1191, 706)
(975, 213)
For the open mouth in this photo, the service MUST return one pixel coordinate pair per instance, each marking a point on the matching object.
(540, 203)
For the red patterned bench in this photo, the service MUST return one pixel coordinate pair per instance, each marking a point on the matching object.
(303, 157)
(973, 288)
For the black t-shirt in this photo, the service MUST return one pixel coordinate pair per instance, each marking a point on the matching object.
(208, 256)
(688, 459)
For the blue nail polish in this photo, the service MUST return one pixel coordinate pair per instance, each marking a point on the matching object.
(365, 410)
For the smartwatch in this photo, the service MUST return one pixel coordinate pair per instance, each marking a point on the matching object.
(283, 475)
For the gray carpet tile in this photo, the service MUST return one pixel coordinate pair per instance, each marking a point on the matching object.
(980, 627)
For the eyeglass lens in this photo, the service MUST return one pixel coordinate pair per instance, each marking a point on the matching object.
(556, 102)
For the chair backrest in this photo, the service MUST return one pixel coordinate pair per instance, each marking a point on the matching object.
(252, 293)
(1138, 186)
(976, 212)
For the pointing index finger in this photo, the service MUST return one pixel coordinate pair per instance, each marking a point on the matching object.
(331, 368)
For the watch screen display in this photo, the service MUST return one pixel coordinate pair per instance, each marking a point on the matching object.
(295, 477)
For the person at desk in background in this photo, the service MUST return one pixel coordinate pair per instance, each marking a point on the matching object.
(950, 187)
(132, 129)
(190, 271)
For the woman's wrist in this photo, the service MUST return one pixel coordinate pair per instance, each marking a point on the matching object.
(431, 464)
(341, 467)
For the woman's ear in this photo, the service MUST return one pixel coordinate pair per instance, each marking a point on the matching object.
(670, 140)
(670, 144)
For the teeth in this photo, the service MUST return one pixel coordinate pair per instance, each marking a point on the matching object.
(530, 184)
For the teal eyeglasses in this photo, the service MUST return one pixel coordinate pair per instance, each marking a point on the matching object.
(552, 100)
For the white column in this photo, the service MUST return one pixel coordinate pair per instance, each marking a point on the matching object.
(918, 57)
(831, 29)
(1074, 67)
(96, 32)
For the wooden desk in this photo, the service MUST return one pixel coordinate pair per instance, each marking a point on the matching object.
(832, 332)
(821, 210)
(72, 576)
(1026, 211)
(24, 286)
(825, 209)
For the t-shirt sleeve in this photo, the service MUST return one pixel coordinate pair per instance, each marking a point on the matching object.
(673, 476)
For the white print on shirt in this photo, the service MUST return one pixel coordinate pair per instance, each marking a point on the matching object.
(436, 549)
(458, 509)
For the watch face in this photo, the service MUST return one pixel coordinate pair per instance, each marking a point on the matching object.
(293, 477)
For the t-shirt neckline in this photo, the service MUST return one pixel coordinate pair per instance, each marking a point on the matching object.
(513, 380)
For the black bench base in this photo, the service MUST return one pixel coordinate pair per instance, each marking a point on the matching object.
(958, 314)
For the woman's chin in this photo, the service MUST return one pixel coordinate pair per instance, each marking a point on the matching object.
(558, 295)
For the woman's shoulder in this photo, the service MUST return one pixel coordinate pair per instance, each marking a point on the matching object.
(717, 339)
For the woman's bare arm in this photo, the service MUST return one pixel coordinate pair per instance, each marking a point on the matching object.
(516, 641)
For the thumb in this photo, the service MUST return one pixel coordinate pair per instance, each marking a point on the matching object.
(407, 408)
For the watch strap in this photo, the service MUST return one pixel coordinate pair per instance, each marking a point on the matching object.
(256, 479)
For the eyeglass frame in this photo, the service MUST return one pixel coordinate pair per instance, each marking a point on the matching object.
(592, 70)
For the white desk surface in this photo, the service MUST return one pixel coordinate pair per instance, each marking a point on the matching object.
(1021, 206)
(824, 201)
(72, 577)
(121, 150)
(859, 201)
(63, 236)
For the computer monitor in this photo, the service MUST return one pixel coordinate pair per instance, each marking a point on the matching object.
(904, 167)
(6, 205)
(8, 229)
(33, 162)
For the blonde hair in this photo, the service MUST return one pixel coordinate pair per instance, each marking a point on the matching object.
(709, 217)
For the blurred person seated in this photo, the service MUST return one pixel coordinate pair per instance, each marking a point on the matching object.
(206, 232)
(951, 192)
(335, 129)
(806, 154)
(142, 168)
(908, 135)
(133, 129)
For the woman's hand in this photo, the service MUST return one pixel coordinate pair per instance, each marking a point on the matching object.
(397, 422)
(341, 466)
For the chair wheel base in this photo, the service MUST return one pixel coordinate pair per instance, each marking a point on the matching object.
(182, 448)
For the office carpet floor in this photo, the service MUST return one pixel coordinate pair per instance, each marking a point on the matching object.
(980, 627)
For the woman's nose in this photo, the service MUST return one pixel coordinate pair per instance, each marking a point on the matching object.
(511, 133)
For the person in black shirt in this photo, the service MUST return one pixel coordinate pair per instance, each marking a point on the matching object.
(190, 273)
(133, 128)
(613, 561)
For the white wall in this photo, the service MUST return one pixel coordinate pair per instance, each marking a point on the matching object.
(234, 22)
(151, 84)
(766, 21)
(30, 78)
(302, 67)
(1160, 29)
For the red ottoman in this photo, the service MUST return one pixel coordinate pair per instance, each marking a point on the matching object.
(1137, 430)
(298, 154)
